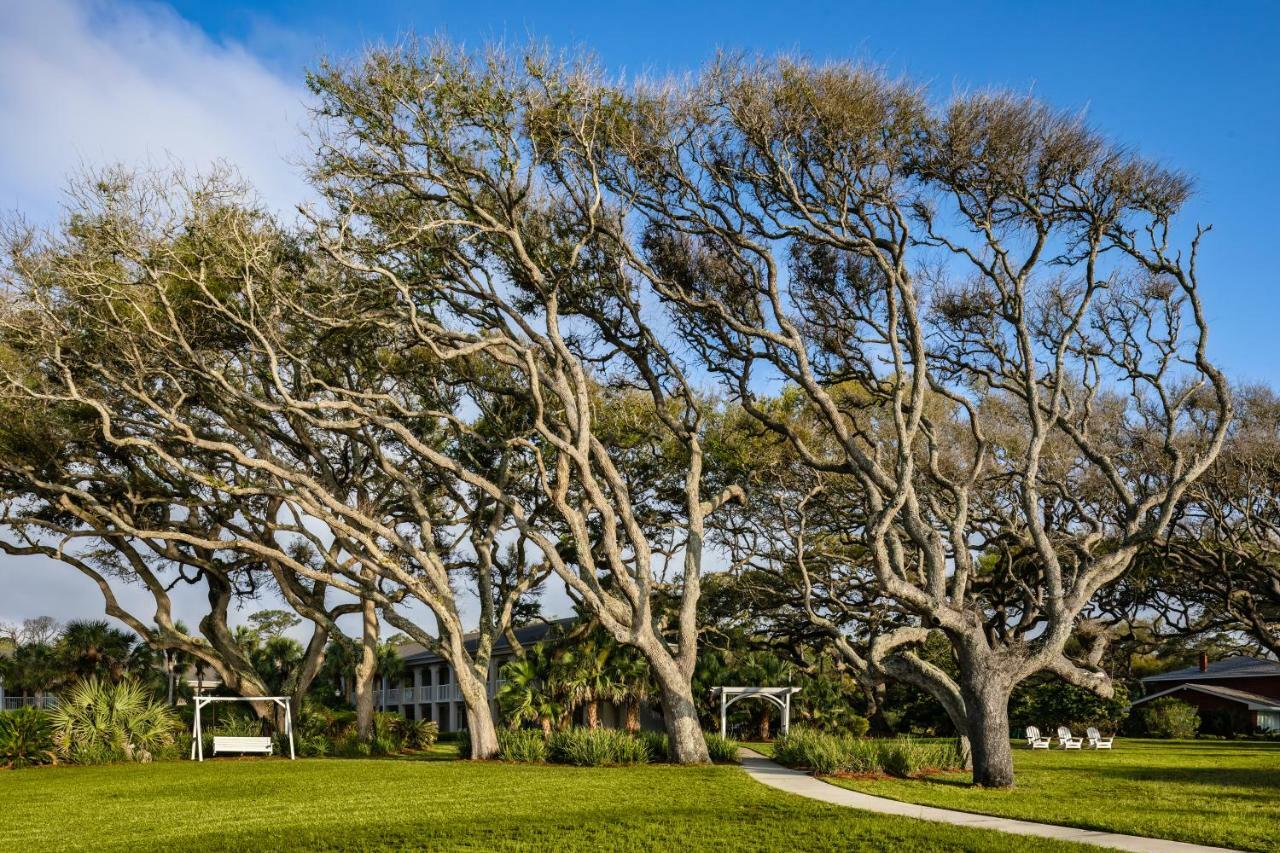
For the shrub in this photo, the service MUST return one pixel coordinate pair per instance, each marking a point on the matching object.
(96, 722)
(1170, 718)
(26, 739)
(827, 754)
(522, 745)
(857, 726)
(821, 752)
(420, 734)
(723, 750)
(655, 744)
(462, 742)
(596, 748)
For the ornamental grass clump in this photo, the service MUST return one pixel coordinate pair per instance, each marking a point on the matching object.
(828, 754)
(656, 745)
(596, 748)
(526, 745)
(723, 750)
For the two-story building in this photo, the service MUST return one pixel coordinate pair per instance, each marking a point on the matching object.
(428, 689)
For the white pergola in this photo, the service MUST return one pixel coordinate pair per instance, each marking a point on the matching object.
(197, 731)
(780, 696)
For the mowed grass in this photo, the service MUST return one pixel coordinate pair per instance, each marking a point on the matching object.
(318, 804)
(1223, 793)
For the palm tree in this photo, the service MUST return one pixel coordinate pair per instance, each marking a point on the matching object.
(635, 683)
(766, 670)
(591, 676)
(92, 648)
(531, 689)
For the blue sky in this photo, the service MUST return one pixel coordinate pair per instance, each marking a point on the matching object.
(1196, 85)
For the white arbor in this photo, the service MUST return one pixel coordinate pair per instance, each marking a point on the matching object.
(780, 696)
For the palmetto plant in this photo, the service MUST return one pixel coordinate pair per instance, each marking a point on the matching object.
(533, 690)
(100, 721)
(26, 738)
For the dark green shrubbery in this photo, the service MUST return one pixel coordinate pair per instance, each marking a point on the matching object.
(657, 746)
(828, 754)
(26, 739)
(1170, 718)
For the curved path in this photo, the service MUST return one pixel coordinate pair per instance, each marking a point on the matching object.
(795, 782)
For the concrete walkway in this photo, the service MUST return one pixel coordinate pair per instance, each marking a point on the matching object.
(795, 782)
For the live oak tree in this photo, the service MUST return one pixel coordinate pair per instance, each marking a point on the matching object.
(982, 307)
(501, 262)
(185, 326)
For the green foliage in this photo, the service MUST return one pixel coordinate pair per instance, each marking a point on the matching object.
(829, 754)
(522, 745)
(420, 734)
(26, 739)
(656, 744)
(723, 750)
(1170, 718)
(1052, 702)
(596, 748)
(97, 721)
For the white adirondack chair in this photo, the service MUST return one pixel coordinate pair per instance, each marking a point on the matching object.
(1035, 740)
(1067, 741)
(1096, 740)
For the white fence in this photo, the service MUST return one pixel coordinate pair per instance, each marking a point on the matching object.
(13, 703)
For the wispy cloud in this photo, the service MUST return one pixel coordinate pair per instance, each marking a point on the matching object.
(87, 84)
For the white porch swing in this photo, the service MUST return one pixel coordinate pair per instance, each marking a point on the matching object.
(261, 745)
(779, 696)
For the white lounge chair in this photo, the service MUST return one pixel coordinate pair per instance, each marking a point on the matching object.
(1096, 740)
(1067, 741)
(1035, 740)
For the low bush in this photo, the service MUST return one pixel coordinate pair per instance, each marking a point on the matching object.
(723, 750)
(26, 739)
(420, 734)
(827, 754)
(526, 745)
(596, 748)
(655, 743)
(1170, 718)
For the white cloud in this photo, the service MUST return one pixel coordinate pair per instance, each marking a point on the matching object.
(83, 83)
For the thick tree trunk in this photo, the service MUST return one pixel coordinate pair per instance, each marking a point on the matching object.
(684, 732)
(593, 714)
(480, 725)
(365, 669)
(986, 697)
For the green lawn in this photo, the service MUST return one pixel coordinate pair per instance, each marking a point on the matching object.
(271, 804)
(1224, 793)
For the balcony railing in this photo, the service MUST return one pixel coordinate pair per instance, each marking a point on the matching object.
(14, 703)
(428, 693)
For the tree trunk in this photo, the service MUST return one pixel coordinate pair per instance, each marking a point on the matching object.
(480, 724)
(593, 714)
(312, 660)
(546, 726)
(365, 669)
(684, 732)
(764, 725)
(633, 715)
(986, 698)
